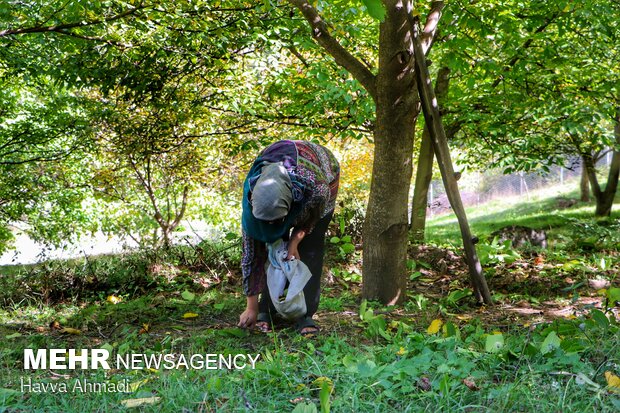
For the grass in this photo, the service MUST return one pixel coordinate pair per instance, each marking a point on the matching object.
(515, 356)
(540, 211)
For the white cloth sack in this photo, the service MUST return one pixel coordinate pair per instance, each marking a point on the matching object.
(279, 272)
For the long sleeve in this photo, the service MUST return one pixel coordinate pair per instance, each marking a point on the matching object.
(311, 213)
(319, 173)
(253, 260)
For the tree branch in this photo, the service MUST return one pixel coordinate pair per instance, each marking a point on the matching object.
(525, 45)
(430, 27)
(66, 26)
(298, 55)
(149, 191)
(341, 55)
(180, 214)
(92, 38)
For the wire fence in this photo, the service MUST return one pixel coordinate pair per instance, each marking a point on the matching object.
(481, 187)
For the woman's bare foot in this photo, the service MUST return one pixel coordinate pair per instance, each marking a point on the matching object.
(263, 327)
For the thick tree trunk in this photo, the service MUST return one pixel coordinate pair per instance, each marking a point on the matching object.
(386, 225)
(584, 185)
(394, 92)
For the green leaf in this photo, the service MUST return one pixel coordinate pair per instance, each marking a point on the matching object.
(324, 397)
(234, 331)
(613, 294)
(334, 240)
(415, 275)
(444, 384)
(458, 295)
(494, 343)
(188, 295)
(231, 236)
(375, 9)
(450, 329)
(305, 408)
(572, 345)
(600, 318)
(7, 394)
(14, 335)
(349, 362)
(550, 343)
(348, 248)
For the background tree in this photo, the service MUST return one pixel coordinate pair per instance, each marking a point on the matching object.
(43, 136)
(149, 76)
(534, 84)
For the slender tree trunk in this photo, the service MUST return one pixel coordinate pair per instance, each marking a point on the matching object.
(605, 198)
(165, 237)
(423, 177)
(584, 185)
(168, 226)
(386, 224)
(605, 202)
(424, 172)
(440, 146)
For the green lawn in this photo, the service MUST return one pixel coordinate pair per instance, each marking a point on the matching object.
(367, 358)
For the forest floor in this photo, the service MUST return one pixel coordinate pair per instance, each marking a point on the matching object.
(550, 342)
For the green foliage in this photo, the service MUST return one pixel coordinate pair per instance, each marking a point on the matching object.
(530, 84)
(159, 87)
(555, 365)
(181, 268)
(305, 408)
(43, 136)
(613, 297)
(594, 234)
(349, 218)
(344, 245)
(496, 252)
(375, 9)
(454, 297)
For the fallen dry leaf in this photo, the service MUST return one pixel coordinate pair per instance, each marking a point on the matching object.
(424, 384)
(145, 328)
(471, 385)
(113, 299)
(613, 381)
(145, 401)
(435, 326)
(598, 284)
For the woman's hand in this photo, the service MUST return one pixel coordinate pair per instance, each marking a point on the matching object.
(293, 243)
(247, 319)
(293, 253)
